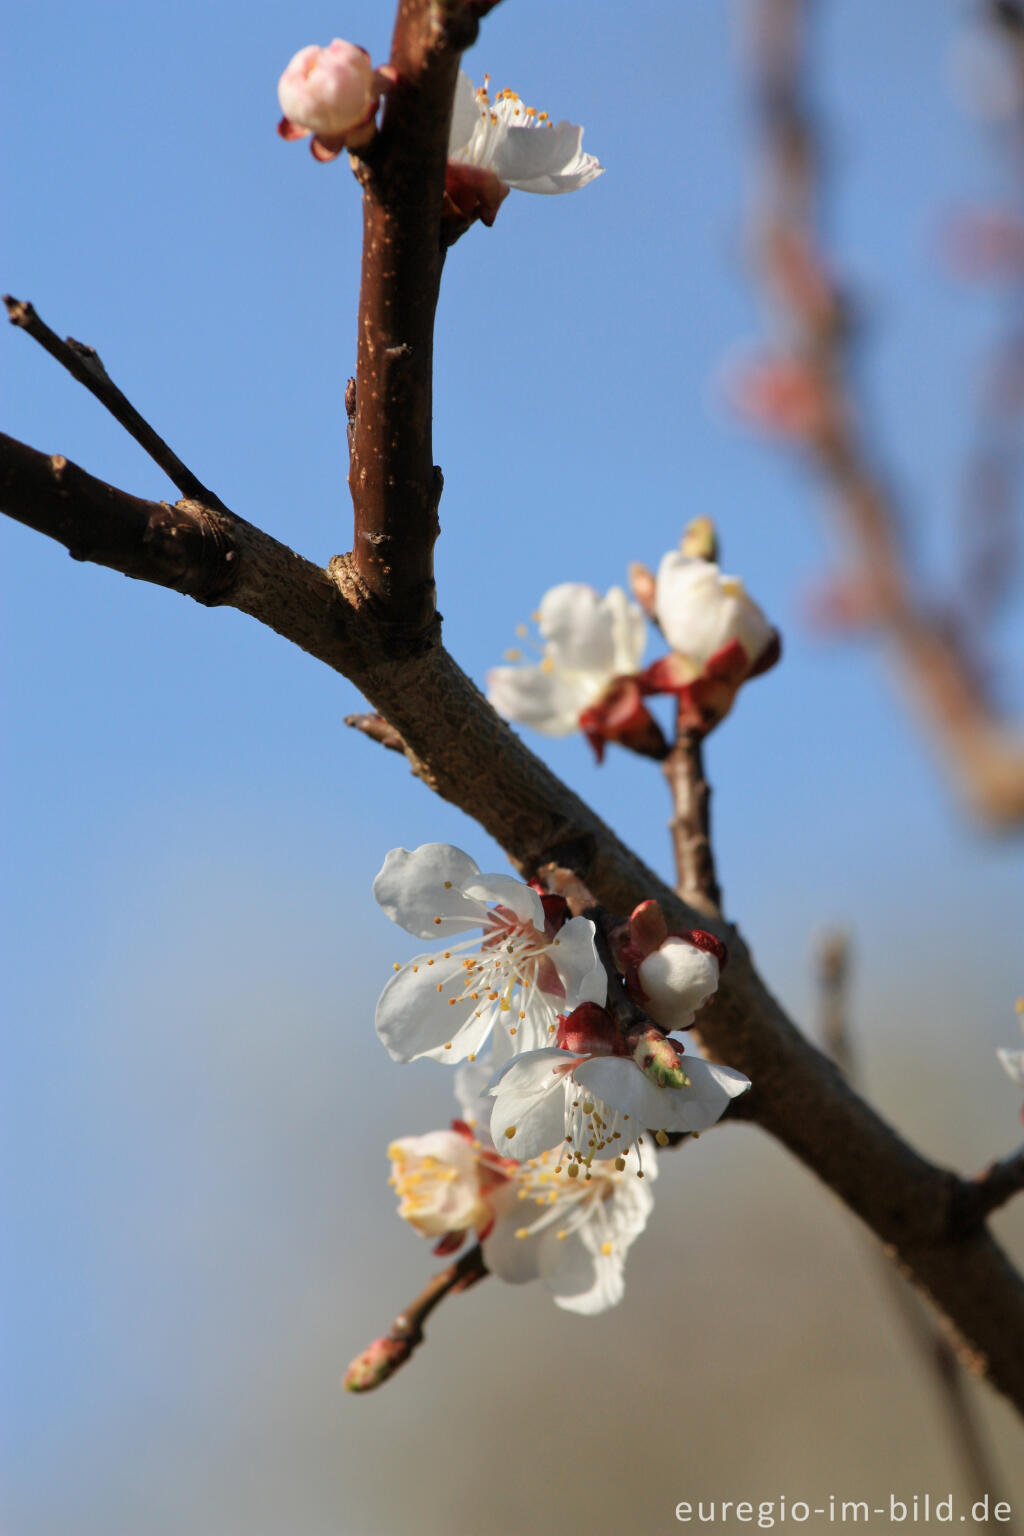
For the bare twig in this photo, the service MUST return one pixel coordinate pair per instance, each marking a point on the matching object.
(986, 754)
(690, 825)
(379, 1362)
(932, 1347)
(83, 363)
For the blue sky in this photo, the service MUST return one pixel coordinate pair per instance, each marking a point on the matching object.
(193, 832)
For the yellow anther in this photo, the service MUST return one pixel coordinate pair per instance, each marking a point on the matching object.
(574, 1170)
(661, 1137)
(438, 921)
(522, 1194)
(562, 1235)
(510, 1131)
(547, 665)
(440, 986)
(471, 1056)
(606, 1249)
(447, 885)
(448, 1046)
(620, 1163)
(395, 966)
(513, 654)
(447, 954)
(522, 631)
(522, 1232)
(452, 1001)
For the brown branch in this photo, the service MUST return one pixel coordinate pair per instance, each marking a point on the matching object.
(83, 363)
(984, 752)
(690, 824)
(379, 1362)
(475, 761)
(395, 485)
(932, 1347)
(992, 1189)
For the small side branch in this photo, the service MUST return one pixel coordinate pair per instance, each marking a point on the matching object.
(83, 363)
(186, 547)
(381, 1359)
(690, 824)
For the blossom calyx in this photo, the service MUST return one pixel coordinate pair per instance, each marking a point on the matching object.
(719, 637)
(621, 715)
(331, 93)
(377, 1362)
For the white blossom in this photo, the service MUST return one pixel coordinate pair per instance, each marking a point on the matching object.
(701, 612)
(521, 146)
(437, 1182)
(596, 1106)
(527, 968)
(589, 640)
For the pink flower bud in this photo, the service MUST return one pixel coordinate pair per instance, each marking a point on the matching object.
(330, 92)
(376, 1363)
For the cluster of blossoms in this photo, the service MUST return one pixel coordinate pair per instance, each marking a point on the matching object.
(589, 677)
(331, 95)
(547, 1162)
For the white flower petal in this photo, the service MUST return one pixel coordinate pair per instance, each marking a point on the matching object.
(416, 888)
(508, 892)
(579, 1279)
(629, 631)
(700, 610)
(513, 1259)
(415, 1019)
(548, 701)
(576, 961)
(578, 629)
(1013, 1064)
(529, 1099)
(623, 1086)
(465, 113)
(528, 154)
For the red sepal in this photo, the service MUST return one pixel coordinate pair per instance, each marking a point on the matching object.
(621, 715)
(590, 1031)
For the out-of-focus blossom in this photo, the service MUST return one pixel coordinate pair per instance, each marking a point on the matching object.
(671, 975)
(532, 963)
(986, 244)
(331, 93)
(501, 145)
(719, 639)
(586, 677)
(597, 1090)
(780, 394)
(437, 1180)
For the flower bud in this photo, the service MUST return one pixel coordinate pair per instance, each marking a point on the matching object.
(659, 1060)
(700, 541)
(331, 93)
(376, 1363)
(677, 980)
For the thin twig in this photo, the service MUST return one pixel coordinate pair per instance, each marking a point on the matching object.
(690, 824)
(83, 363)
(986, 754)
(379, 1362)
(932, 1347)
